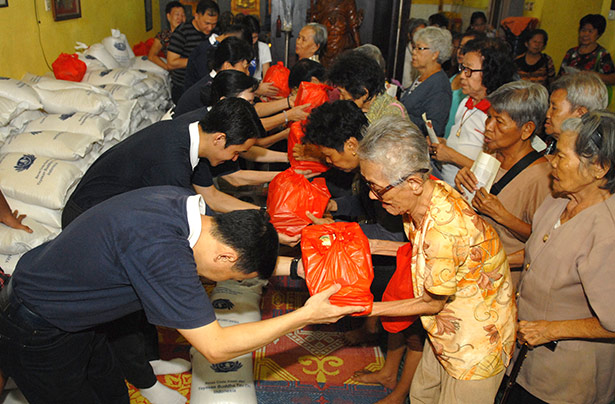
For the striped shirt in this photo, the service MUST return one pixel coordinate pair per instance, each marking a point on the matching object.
(184, 39)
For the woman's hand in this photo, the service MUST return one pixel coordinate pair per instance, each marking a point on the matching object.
(535, 332)
(489, 205)
(290, 241)
(298, 113)
(13, 219)
(266, 90)
(466, 178)
(440, 151)
(303, 152)
(319, 220)
(331, 206)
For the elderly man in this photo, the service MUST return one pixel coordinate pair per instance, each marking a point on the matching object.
(142, 250)
(460, 274)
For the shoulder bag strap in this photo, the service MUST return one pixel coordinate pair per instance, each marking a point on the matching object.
(514, 171)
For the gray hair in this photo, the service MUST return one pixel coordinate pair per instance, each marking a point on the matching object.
(523, 101)
(438, 39)
(595, 142)
(320, 36)
(397, 146)
(583, 89)
(373, 52)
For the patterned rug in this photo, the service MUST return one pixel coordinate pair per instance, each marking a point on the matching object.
(310, 365)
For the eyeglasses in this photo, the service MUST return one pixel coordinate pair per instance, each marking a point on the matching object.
(421, 48)
(467, 71)
(379, 192)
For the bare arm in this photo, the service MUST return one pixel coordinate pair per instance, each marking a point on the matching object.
(293, 114)
(219, 344)
(384, 247)
(249, 177)
(153, 54)
(540, 332)
(427, 304)
(515, 260)
(262, 155)
(175, 61)
(270, 140)
(221, 202)
(608, 79)
(272, 107)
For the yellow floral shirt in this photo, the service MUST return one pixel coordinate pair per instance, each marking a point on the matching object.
(458, 254)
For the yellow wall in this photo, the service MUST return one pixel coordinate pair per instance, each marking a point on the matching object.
(22, 52)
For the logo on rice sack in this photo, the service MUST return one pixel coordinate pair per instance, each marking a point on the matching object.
(103, 73)
(25, 162)
(226, 367)
(120, 46)
(64, 117)
(223, 304)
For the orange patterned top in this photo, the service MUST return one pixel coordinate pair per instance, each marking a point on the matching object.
(458, 254)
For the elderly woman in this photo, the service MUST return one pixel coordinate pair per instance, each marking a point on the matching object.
(430, 93)
(176, 15)
(409, 73)
(566, 293)
(589, 55)
(487, 64)
(460, 274)
(311, 42)
(572, 95)
(517, 111)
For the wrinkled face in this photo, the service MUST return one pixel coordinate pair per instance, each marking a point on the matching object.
(220, 154)
(176, 17)
(559, 110)
(501, 131)
(536, 44)
(422, 55)
(344, 160)
(395, 201)
(305, 46)
(569, 176)
(473, 85)
(588, 35)
(361, 102)
(205, 23)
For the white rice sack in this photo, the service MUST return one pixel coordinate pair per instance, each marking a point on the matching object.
(91, 62)
(144, 64)
(99, 52)
(9, 109)
(84, 164)
(8, 264)
(46, 216)
(77, 100)
(123, 76)
(122, 93)
(78, 122)
(19, 91)
(54, 144)
(118, 47)
(14, 241)
(25, 117)
(37, 180)
(156, 83)
(128, 118)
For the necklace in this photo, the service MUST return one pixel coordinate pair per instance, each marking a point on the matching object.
(464, 120)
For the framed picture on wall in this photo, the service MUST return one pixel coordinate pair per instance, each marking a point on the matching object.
(4, 3)
(66, 9)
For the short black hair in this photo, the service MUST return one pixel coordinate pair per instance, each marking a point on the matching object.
(532, 33)
(253, 238)
(304, 70)
(438, 19)
(331, 124)
(232, 50)
(595, 20)
(208, 6)
(477, 15)
(171, 5)
(236, 118)
(227, 83)
(357, 73)
(497, 65)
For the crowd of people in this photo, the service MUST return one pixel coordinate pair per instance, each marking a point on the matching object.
(521, 260)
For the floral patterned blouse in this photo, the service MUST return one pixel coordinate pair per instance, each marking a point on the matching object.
(458, 254)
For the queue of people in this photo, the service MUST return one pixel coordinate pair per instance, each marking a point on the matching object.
(521, 262)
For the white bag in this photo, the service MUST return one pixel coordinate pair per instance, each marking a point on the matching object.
(118, 47)
(37, 180)
(78, 122)
(8, 263)
(129, 117)
(14, 241)
(144, 64)
(123, 76)
(54, 144)
(99, 52)
(91, 62)
(121, 93)
(46, 216)
(19, 91)
(9, 109)
(25, 117)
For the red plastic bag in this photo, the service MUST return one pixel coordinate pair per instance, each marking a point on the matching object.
(295, 136)
(290, 196)
(315, 94)
(142, 48)
(400, 288)
(69, 67)
(278, 76)
(339, 253)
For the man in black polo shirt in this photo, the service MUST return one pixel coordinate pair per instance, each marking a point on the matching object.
(185, 38)
(142, 250)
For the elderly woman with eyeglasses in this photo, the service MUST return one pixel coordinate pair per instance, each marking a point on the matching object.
(566, 292)
(430, 93)
(487, 64)
(460, 273)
